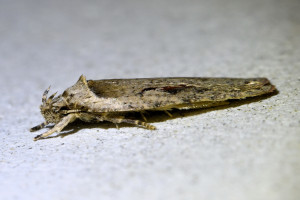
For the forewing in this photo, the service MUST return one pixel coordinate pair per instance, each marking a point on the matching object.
(167, 93)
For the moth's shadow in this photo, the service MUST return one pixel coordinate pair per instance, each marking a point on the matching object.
(155, 116)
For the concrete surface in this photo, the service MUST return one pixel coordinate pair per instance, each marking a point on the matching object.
(246, 152)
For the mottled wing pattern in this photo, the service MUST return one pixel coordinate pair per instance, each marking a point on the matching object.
(168, 93)
(108, 100)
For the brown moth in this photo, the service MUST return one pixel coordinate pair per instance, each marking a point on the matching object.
(111, 99)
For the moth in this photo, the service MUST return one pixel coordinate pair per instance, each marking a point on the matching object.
(112, 99)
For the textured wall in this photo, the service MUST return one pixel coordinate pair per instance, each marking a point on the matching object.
(245, 152)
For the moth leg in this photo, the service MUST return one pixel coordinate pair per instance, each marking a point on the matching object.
(38, 127)
(134, 122)
(70, 111)
(103, 118)
(139, 123)
(168, 113)
(58, 127)
(143, 116)
(129, 121)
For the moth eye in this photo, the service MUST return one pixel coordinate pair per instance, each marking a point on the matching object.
(64, 108)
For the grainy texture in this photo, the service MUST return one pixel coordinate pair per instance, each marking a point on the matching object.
(110, 100)
(248, 152)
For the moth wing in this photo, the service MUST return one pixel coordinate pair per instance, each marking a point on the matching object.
(119, 95)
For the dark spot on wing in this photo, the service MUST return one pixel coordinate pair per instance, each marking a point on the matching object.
(175, 89)
(147, 89)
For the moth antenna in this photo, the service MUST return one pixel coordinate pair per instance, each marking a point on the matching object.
(44, 98)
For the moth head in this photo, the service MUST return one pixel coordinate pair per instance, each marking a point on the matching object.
(49, 111)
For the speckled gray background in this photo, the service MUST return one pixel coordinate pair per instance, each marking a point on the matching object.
(247, 152)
